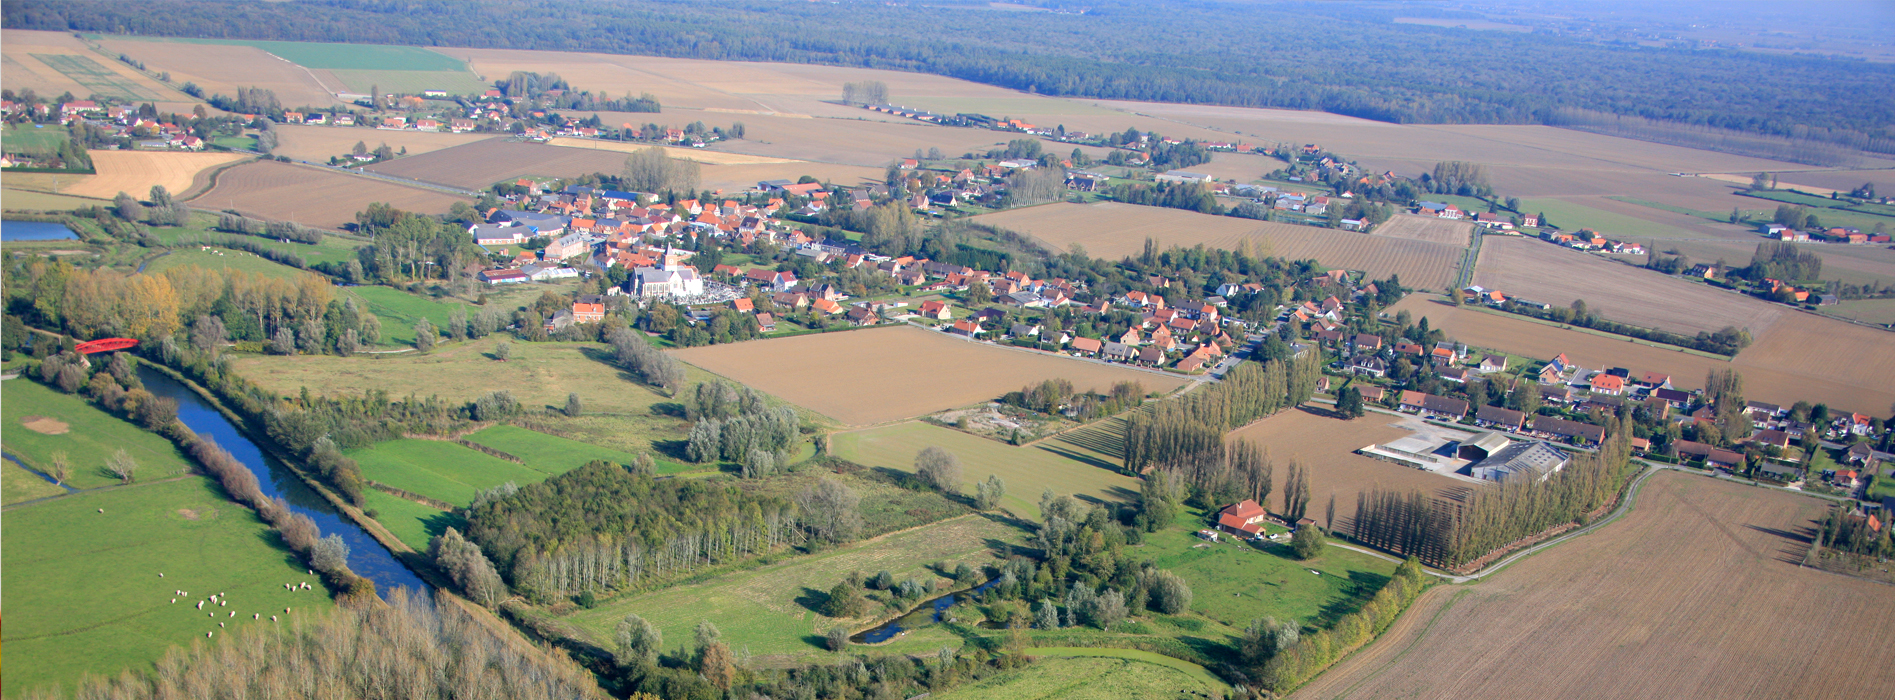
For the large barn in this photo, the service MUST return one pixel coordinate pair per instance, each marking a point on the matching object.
(1532, 459)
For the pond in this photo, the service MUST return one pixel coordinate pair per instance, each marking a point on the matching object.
(35, 231)
(933, 609)
(367, 556)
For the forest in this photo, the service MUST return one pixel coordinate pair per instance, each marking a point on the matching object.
(1336, 57)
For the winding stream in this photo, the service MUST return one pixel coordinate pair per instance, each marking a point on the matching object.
(938, 606)
(367, 557)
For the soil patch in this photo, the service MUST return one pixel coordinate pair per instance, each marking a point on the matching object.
(44, 425)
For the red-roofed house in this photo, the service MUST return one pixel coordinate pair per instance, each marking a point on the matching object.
(1243, 519)
(935, 309)
(588, 313)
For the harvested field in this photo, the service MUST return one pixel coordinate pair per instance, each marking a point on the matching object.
(50, 63)
(1849, 354)
(1426, 228)
(1853, 264)
(319, 143)
(907, 372)
(1845, 180)
(1809, 379)
(1112, 230)
(698, 155)
(1326, 447)
(312, 196)
(222, 68)
(1562, 624)
(737, 178)
(132, 172)
(41, 201)
(482, 163)
(1555, 275)
(1867, 310)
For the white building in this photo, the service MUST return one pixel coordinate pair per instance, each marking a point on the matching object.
(670, 281)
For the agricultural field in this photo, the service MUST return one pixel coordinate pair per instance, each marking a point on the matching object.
(1555, 275)
(409, 82)
(737, 178)
(320, 143)
(1112, 230)
(917, 372)
(220, 69)
(692, 154)
(41, 201)
(1558, 624)
(399, 311)
(132, 172)
(1631, 221)
(1866, 310)
(84, 593)
(32, 138)
(440, 469)
(1426, 228)
(1803, 379)
(480, 164)
(770, 611)
(312, 196)
(223, 258)
(1084, 678)
(1326, 447)
(1853, 264)
(1844, 353)
(36, 422)
(1027, 471)
(849, 140)
(1845, 180)
(51, 63)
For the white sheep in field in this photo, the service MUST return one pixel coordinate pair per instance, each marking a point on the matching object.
(286, 610)
(101, 510)
(161, 574)
(208, 634)
(174, 600)
(210, 615)
(223, 602)
(273, 618)
(220, 624)
(256, 616)
(233, 613)
(200, 605)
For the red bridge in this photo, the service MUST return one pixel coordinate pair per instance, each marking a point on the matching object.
(105, 345)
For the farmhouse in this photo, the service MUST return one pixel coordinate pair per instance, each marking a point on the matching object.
(1242, 519)
(1497, 417)
(1532, 459)
(1582, 433)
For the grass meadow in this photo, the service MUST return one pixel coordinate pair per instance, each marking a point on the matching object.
(412, 523)
(549, 453)
(223, 258)
(83, 592)
(1235, 583)
(91, 437)
(1026, 471)
(17, 484)
(440, 469)
(1572, 217)
(770, 611)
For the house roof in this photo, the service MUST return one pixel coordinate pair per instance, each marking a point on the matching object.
(1245, 509)
(1497, 414)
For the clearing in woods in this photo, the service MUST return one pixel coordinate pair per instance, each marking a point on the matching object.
(771, 610)
(871, 376)
(83, 590)
(1558, 624)
(89, 440)
(1026, 471)
(1426, 228)
(480, 164)
(1778, 368)
(131, 172)
(312, 196)
(1110, 230)
(1326, 447)
(1555, 275)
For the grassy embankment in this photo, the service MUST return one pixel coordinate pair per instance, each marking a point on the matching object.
(88, 436)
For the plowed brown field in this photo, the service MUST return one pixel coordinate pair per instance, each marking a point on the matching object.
(1790, 363)
(1326, 446)
(1694, 594)
(882, 374)
(1112, 230)
(319, 143)
(312, 196)
(480, 164)
(131, 172)
(1555, 275)
(220, 69)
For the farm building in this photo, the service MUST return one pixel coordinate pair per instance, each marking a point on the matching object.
(1243, 519)
(1533, 459)
(1482, 446)
(1412, 451)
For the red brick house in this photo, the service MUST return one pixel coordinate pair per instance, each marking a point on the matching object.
(1243, 519)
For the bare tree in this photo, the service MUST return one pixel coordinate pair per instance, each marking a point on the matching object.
(62, 468)
(122, 466)
(654, 170)
(831, 511)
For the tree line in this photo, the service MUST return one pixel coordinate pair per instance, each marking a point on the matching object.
(1189, 430)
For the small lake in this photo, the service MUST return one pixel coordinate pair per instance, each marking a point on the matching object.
(35, 231)
(367, 556)
(933, 610)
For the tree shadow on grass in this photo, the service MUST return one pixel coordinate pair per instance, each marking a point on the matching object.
(1361, 587)
(1080, 457)
(812, 599)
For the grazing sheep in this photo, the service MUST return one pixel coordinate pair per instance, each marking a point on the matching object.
(233, 613)
(161, 574)
(208, 634)
(210, 615)
(174, 601)
(200, 605)
(223, 602)
(256, 616)
(101, 510)
(273, 618)
(286, 610)
(220, 624)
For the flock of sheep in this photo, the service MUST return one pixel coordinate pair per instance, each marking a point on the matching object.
(222, 600)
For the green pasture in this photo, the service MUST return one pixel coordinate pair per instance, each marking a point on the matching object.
(244, 143)
(1079, 673)
(412, 523)
(771, 610)
(439, 469)
(1831, 212)
(225, 258)
(83, 591)
(1235, 582)
(1572, 217)
(32, 138)
(400, 310)
(91, 437)
(338, 56)
(557, 455)
(412, 82)
(17, 485)
(1026, 471)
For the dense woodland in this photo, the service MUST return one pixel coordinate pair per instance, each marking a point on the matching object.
(1342, 58)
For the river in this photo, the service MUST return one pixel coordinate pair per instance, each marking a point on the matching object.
(366, 555)
(35, 231)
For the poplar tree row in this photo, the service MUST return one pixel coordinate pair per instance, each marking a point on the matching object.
(1190, 429)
